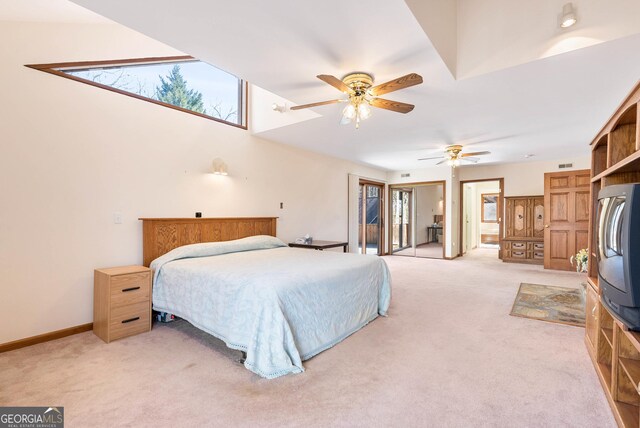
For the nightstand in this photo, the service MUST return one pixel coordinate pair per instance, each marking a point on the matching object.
(121, 302)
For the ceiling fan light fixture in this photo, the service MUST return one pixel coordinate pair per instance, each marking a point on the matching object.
(364, 111)
(568, 16)
(349, 112)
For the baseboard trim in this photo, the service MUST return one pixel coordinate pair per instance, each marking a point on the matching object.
(46, 337)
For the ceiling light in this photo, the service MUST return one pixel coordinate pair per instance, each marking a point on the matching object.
(349, 112)
(364, 111)
(568, 16)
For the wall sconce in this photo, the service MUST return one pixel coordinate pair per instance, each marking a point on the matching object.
(568, 17)
(219, 167)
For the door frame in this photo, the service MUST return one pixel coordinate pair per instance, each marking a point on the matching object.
(443, 183)
(381, 210)
(501, 214)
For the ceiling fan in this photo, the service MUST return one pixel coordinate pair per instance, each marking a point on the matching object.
(362, 94)
(453, 156)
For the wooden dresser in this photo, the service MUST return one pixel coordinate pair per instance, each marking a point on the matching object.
(121, 302)
(524, 230)
(615, 351)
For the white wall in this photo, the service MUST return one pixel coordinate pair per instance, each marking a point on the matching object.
(524, 178)
(71, 155)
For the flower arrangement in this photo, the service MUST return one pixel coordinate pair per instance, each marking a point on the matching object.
(582, 260)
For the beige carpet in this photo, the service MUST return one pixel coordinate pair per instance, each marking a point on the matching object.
(432, 250)
(449, 355)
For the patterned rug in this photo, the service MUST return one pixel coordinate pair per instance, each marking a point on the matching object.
(554, 304)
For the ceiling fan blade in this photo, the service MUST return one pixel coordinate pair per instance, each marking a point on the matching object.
(392, 105)
(464, 155)
(397, 84)
(472, 160)
(321, 103)
(435, 157)
(442, 161)
(335, 82)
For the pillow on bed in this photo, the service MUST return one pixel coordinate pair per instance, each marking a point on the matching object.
(206, 249)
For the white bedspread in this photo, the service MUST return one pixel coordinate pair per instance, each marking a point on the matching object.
(280, 305)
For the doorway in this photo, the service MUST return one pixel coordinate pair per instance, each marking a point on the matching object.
(370, 218)
(417, 219)
(401, 219)
(481, 213)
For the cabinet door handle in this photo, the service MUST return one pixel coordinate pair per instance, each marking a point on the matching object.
(124, 290)
(130, 320)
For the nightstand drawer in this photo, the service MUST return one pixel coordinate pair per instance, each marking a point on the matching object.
(128, 292)
(120, 282)
(129, 320)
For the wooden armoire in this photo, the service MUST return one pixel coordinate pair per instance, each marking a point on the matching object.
(524, 230)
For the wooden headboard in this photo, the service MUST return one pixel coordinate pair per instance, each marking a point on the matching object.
(161, 235)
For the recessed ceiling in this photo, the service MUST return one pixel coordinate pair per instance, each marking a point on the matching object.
(551, 105)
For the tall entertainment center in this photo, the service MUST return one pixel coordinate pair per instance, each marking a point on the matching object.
(615, 351)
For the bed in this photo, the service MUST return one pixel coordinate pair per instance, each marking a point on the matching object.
(279, 305)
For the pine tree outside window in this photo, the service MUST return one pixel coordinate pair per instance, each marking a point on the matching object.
(182, 83)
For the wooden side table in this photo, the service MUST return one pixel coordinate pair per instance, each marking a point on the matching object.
(121, 302)
(321, 245)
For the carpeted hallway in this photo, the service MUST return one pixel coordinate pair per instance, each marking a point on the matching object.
(448, 355)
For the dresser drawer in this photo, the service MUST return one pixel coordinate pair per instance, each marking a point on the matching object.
(129, 320)
(515, 246)
(538, 255)
(538, 246)
(128, 292)
(518, 254)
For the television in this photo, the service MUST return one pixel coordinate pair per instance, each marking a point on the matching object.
(618, 251)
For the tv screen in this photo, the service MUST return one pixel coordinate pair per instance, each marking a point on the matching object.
(610, 241)
(618, 251)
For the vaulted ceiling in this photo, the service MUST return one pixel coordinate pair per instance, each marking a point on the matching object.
(498, 75)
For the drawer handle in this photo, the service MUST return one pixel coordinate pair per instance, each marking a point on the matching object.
(130, 320)
(124, 290)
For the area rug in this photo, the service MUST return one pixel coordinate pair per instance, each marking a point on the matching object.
(547, 303)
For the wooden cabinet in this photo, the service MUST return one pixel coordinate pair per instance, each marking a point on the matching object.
(591, 321)
(121, 302)
(524, 230)
(615, 351)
